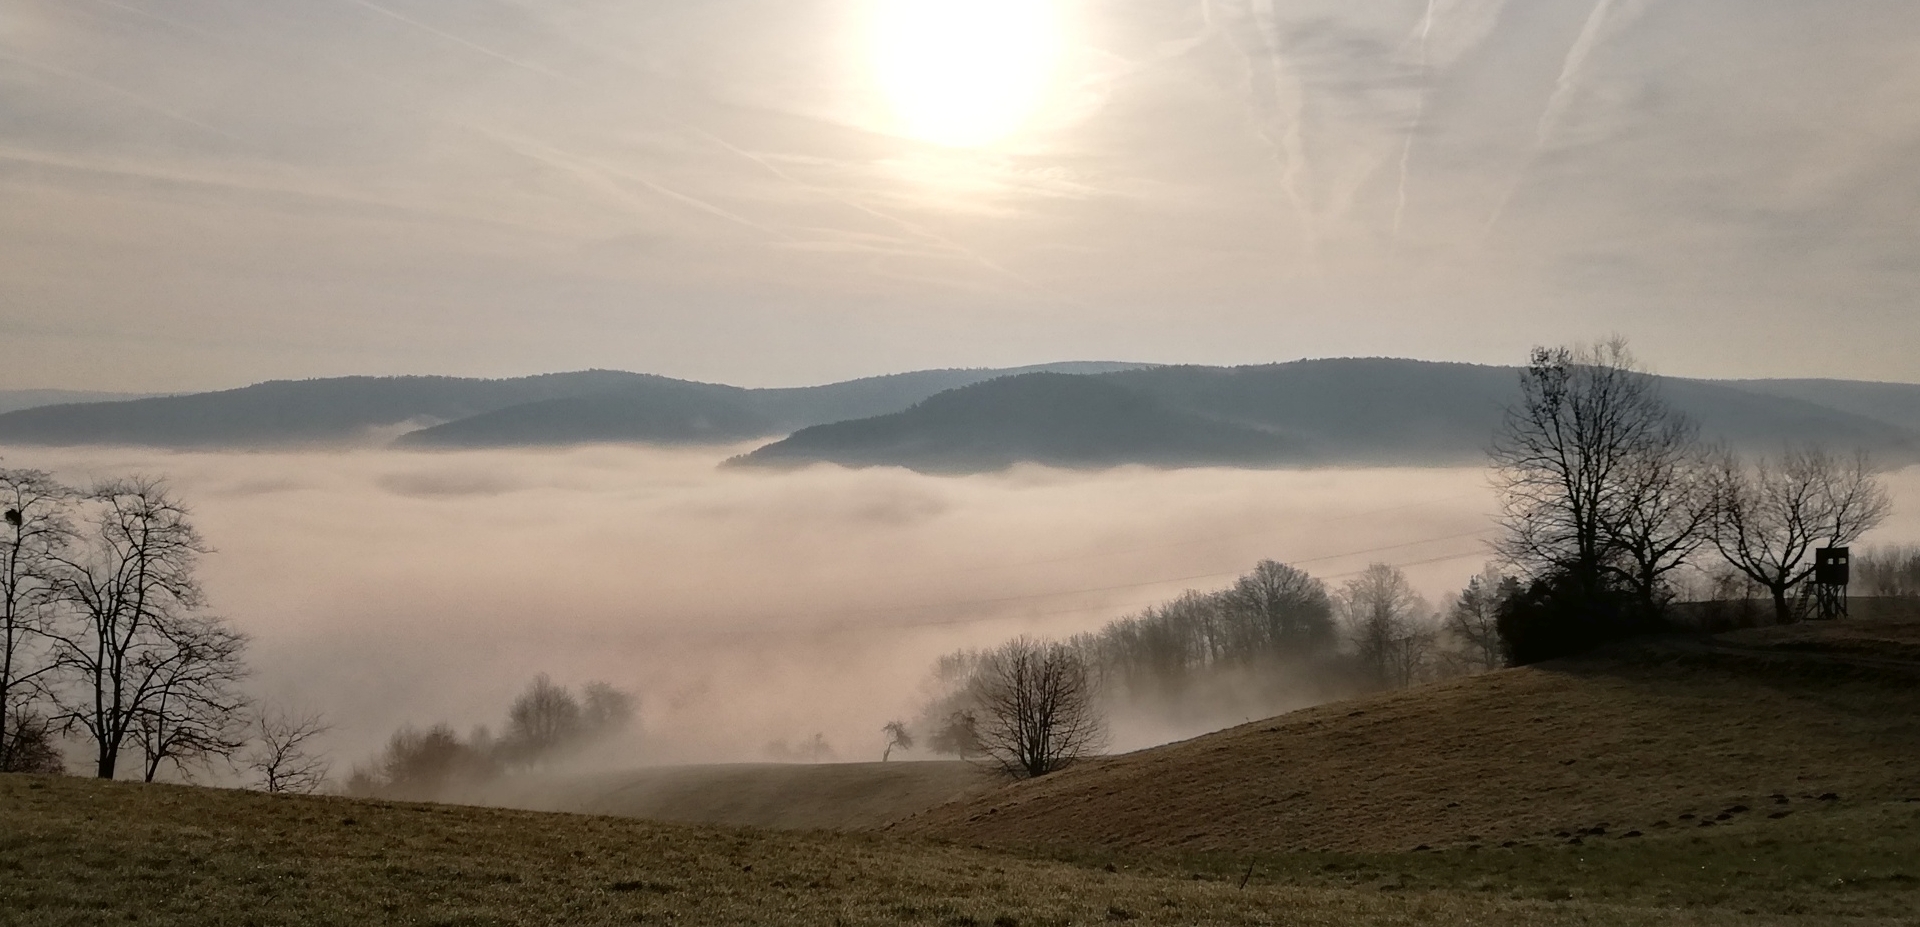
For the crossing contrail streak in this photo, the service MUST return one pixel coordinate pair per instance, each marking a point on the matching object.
(910, 227)
(1419, 115)
(1290, 148)
(482, 49)
(595, 171)
(125, 94)
(1558, 103)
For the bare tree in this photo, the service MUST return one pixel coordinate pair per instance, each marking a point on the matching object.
(607, 710)
(1474, 620)
(1038, 711)
(1285, 610)
(130, 590)
(958, 735)
(1386, 620)
(1889, 572)
(1771, 516)
(1597, 475)
(36, 528)
(544, 719)
(282, 757)
(195, 712)
(897, 736)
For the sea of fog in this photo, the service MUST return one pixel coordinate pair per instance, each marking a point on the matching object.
(744, 607)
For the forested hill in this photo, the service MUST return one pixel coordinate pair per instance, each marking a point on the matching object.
(1307, 413)
(562, 408)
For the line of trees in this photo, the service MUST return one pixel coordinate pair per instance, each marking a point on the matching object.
(1608, 495)
(1029, 707)
(104, 631)
(547, 723)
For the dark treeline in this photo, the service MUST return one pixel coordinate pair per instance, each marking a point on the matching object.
(546, 724)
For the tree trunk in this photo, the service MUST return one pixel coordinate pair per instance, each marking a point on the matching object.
(1782, 612)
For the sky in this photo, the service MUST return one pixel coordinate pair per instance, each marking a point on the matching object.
(199, 194)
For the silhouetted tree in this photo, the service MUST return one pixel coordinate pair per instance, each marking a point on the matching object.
(132, 600)
(282, 757)
(1601, 490)
(897, 736)
(36, 527)
(195, 712)
(1772, 515)
(1037, 710)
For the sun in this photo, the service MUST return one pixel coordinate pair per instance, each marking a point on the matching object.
(965, 73)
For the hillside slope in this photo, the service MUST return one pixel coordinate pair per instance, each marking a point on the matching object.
(1044, 418)
(77, 852)
(662, 411)
(1643, 741)
(786, 796)
(1354, 411)
(292, 412)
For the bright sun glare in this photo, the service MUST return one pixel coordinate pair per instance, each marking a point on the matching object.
(965, 73)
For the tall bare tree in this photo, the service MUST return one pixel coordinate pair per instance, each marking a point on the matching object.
(1037, 708)
(130, 589)
(1592, 465)
(1603, 498)
(196, 712)
(282, 756)
(36, 528)
(1772, 515)
(1386, 621)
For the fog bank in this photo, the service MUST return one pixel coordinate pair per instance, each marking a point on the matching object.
(743, 607)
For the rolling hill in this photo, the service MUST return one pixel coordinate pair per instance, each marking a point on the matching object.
(1760, 778)
(1052, 419)
(13, 400)
(1307, 413)
(1655, 738)
(1356, 411)
(452, 412)
(661, 411)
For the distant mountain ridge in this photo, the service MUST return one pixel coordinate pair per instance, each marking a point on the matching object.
(549, 409)
(1334, 412)
(1339, 412)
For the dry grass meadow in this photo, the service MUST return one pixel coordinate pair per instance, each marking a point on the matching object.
(1659, 786)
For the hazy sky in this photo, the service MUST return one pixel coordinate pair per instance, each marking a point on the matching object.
(203, 193)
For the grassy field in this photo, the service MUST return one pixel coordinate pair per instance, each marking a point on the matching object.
(790, 796)
(1768, 778)
(1650, 742)
(79, 852)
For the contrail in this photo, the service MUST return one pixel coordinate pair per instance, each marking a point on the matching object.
(1557, 105)
(126, 94)
(592, 170)
(482, 49)
(909, 227)
(1290, 149)
(1419, 114)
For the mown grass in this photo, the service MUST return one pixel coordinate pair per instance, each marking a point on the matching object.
(76, 852)
(1830, 862)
